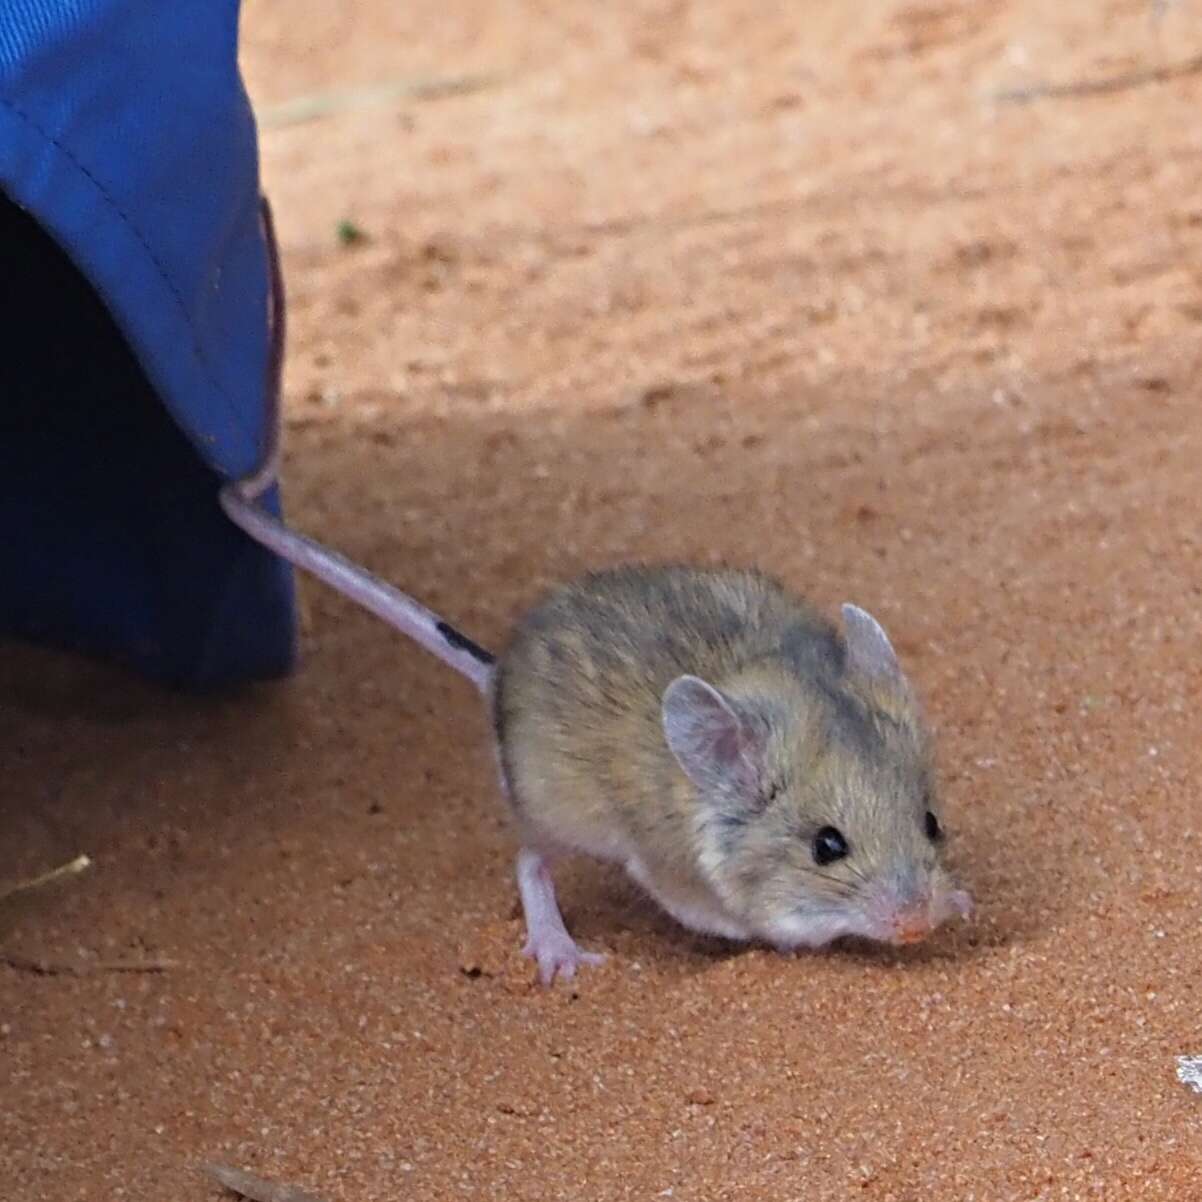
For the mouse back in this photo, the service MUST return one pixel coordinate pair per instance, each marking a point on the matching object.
(606, 646)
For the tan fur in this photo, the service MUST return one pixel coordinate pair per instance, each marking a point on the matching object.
(577, 704)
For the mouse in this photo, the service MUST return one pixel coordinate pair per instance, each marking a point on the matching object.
(761, 774)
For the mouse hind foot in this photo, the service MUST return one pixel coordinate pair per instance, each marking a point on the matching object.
(547, 940)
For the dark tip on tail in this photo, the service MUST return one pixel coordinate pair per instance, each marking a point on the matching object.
(462, 643)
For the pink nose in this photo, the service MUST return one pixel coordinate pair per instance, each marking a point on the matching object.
(910, 926)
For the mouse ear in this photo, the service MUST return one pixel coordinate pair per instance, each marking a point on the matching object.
(711, 741)
(870, 654)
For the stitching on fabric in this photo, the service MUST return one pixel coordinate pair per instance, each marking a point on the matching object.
(111, 201)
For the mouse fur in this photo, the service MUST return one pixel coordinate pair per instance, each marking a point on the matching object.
(615, 705)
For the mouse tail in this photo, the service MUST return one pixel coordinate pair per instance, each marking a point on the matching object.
(396, 608)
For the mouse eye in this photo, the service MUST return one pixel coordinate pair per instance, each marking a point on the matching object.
(933, 829)
(829, 846)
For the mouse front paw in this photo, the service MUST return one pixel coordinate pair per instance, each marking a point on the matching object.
(558, 955)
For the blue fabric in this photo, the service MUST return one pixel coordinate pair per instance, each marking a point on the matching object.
(126, 134)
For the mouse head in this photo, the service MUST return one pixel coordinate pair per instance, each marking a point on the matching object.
(816, 808)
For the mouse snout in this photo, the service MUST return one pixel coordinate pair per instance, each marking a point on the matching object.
(911, 924)
(907, 910)
(904, 912)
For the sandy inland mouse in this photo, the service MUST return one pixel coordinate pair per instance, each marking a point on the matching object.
(759, 774)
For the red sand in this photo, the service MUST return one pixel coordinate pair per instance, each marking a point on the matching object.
(792, 290)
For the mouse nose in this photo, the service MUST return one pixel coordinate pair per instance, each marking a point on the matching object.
(904, 909)
(908, 918)
(911, 925)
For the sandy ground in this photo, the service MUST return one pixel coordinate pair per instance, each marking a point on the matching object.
(660, 280)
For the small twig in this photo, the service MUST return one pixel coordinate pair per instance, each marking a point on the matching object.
(323, 104)
(255, 1188)
(46, 878)
(81, 968)
(67, 968)
(1103, 86)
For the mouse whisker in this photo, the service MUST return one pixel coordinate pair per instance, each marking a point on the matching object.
(843, 888)
(845, 867)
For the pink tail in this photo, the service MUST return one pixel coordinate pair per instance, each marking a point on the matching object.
(397, 609)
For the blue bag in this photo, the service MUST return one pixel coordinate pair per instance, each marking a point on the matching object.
(135, 340)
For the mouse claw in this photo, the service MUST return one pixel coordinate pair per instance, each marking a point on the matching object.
(559, 956)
